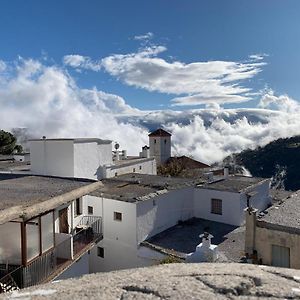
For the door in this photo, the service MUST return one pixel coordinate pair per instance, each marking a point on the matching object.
(63, 221)
(280, 256)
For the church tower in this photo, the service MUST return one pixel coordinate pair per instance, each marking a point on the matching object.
(160, 145)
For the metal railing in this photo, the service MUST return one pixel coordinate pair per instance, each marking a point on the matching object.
(48, 263)
(91, 230)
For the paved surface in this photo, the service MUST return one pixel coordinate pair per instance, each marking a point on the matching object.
(29, 190)
(185, 237)
(174, 281)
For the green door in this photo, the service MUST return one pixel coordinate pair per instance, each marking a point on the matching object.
(280, 256)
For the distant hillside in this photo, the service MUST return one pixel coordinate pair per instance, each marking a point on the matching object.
(280, 158)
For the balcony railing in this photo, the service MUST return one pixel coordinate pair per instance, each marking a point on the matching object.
(46, 266)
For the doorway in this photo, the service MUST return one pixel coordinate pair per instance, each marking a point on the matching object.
(63, 220)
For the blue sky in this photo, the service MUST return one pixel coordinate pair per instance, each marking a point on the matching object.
(192, 31)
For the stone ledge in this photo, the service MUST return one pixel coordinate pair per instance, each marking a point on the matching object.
(174, 281)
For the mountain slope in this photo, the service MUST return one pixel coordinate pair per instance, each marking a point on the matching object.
(278, 158)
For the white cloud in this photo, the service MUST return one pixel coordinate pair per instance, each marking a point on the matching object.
(211, 134)
(194, 83)
(46, 100)
(2, 66)
(143, 37)
(81, 62)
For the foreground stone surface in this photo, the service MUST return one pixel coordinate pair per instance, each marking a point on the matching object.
(175, 281)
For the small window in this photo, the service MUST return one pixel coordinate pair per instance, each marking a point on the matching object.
(100, 252)
(216, 206)
(116, 174)
(140, 167)
(90, 210)
(133, 170)
(165, 141)
(154, 203)
(78, 207)
(154, 141)
(117, 216)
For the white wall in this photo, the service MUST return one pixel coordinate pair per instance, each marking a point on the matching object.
(230, 206)
(119, 238)
(147, 167)
(162, 212)
(54, 158)
(88, 157)
(86, 160)
(159, 149)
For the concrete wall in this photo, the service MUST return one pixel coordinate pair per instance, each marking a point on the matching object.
(160, 149)
(231, 206)
(54, 158)
(262, 199)
(88, 157)
(265, 238)
(162, 212)
(142, 167)
(119, 237)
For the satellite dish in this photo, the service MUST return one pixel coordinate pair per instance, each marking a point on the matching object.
(117, 146)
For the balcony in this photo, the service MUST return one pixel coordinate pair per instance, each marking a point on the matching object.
(52, 263)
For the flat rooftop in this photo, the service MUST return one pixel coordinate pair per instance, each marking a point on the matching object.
(131, 160)
(11, 165)
(233, 183)
(284, 216)
(19, 190)
(183, 238)
(75, 140)
(135, 187)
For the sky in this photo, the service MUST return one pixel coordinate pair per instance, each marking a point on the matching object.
(223, 76)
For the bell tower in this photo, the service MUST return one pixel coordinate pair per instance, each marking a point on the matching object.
(160, 145)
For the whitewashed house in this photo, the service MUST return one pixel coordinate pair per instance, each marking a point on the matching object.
(130, 203)
(90, 158)
(44, 229)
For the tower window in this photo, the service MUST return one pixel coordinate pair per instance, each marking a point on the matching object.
(133, 170)
(154, 141)
(165, 141)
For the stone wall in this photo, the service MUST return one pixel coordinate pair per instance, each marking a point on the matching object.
(175, 281)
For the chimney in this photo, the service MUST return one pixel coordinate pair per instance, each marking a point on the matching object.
(206, 240)
(226, 172)
(251, 219)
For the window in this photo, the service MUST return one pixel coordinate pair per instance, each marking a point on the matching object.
(133, 170)
(117, 216)
(140, 167)
(165, 141)
(154, 141)
(216, 206)
(100, 252)
(78, 207)
(90, 210)
(116, 174)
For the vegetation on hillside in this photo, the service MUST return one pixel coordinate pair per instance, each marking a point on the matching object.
(279, 159)
(8, 143)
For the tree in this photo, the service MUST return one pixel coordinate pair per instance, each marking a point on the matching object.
(8, 143)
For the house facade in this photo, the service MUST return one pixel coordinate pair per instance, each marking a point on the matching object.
(45, 231)
(273, 237)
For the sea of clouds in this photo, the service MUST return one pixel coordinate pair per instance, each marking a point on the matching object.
(46, 100)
